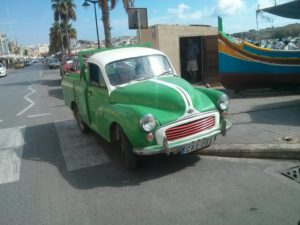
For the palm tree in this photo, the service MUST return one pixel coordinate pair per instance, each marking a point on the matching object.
(56, 7)
(55, 38)
(103, 5)
(72, 34)
(64, 11)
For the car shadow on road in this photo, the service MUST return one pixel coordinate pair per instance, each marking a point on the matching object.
(42, 144)
(57, 93)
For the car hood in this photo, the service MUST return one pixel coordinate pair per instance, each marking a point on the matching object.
(168, 95)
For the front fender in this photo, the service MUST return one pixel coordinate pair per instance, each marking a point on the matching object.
(214, 95)
(128, 117)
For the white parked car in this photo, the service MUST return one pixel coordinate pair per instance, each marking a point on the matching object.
(3, 71)
(53, 63)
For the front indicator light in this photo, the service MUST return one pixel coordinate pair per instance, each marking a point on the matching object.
(224, 114)
(150, 137)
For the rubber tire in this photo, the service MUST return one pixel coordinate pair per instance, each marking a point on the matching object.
(130, 159)
(81, 124)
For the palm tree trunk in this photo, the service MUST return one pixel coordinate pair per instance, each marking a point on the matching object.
(61, 38)
(67, 34)
(106, 24)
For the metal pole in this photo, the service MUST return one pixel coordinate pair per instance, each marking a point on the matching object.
(2, 51)
(257, 11)
(96, 24)
(139, 26)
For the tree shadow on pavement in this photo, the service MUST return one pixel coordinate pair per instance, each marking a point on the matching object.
(51, 83)
(260, 93)
(42, 144)
(24, 83)
(279, 113)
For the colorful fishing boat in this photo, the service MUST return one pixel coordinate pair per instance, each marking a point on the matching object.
(245, 66)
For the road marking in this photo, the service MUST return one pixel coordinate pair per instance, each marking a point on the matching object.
(1, 121)
(79, 150)
(11, 150)
(41, 73)
(32, 103)
(39, 115)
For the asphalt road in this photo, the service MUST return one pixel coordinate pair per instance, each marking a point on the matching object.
(50, 174)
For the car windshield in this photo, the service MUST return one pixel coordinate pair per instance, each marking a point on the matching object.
(136, 69)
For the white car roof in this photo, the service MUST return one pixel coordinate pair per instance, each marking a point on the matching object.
(105, 57)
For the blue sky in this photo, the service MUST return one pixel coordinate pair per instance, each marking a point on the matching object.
(28, 22)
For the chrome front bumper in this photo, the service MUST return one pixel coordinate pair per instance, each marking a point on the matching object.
(175, 146)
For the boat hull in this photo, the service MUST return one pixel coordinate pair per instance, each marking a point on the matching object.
(270, 52)
(241, 69)
(243, 81)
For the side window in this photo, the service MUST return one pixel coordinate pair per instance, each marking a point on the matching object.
(76, 66)
(96, 77)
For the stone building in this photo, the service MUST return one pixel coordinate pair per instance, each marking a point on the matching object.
(173, 39)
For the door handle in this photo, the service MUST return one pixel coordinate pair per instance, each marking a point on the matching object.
(90, 93)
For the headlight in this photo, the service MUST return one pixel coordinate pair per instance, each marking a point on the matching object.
(148, 123)
(223, 102)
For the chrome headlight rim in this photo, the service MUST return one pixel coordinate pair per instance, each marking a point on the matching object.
(148, 123)
(223, 102)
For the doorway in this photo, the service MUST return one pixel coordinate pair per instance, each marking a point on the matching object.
(183, 45)
(207, 58)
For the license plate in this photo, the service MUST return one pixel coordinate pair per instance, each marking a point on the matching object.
(197, 145)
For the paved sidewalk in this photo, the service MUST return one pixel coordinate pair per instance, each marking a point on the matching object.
(266, 124)
(10, 70)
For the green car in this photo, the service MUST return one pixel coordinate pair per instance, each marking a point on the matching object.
(134, 97)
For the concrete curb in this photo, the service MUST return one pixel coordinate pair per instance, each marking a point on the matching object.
(10, 70)
(265, 151)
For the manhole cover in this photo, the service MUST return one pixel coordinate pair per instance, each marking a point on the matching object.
(293, 173)
(288, 139)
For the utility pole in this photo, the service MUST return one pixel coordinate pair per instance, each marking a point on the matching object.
(86, 4)
(257, 12)
(2, 50)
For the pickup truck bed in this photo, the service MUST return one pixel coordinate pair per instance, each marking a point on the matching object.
(68, 88)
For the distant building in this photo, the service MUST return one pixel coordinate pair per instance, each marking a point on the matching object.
(43, 49)
(4, 50)
(39, 50)
(13, 47)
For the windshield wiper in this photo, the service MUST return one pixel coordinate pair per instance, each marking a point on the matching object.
(142, 78)
(165, 73)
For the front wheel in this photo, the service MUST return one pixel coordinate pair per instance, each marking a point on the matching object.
(81, 124)
(130, 159)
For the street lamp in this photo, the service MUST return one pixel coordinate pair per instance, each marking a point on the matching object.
(86, 4)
